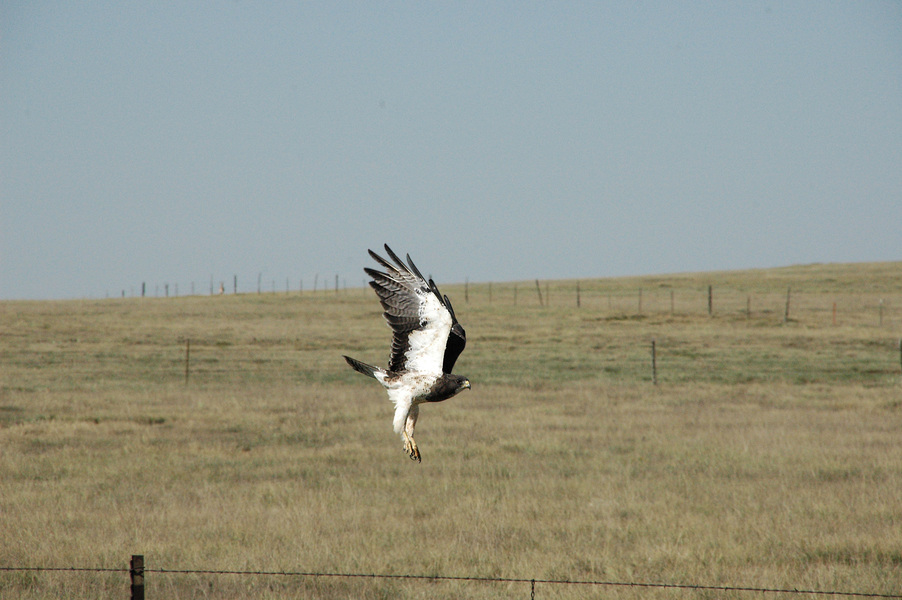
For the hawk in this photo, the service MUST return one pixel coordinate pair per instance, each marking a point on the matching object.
(426, 343)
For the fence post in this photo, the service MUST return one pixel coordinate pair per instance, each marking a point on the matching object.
(137, 574)
(710, 301)
(577, 293)
(539, 292)
(654, 364)
(187, 358)
(788, 296)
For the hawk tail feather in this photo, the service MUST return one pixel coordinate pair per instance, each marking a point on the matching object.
(361, 367)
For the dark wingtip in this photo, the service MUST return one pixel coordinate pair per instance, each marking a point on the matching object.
(414, 268)
(382, 262)
(395, 258)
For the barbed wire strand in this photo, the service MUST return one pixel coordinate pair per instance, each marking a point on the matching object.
(89, 569)
(532, 582)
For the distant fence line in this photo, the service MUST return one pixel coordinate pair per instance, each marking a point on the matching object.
(676, 363)
(221, 287)
(137, 572)
(664, 359)
(639, 300)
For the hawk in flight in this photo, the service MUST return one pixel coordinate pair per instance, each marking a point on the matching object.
(426, 343)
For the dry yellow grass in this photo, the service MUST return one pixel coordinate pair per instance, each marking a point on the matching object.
(769, 454)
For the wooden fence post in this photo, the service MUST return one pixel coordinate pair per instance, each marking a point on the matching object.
(187, 358)
(539, 292)
(788, 296)
(136, 571)
(577, 293)
(654, 364)
(710, 301)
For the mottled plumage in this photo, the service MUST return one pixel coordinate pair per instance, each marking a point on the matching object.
(426, 343)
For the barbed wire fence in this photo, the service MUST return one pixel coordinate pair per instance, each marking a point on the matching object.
(137, 572)
(874, 356)
(659, 360)
(783, 305)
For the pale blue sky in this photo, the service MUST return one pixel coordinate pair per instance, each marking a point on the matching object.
(172, 142)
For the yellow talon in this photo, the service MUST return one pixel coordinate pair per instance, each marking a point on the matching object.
(410, 447)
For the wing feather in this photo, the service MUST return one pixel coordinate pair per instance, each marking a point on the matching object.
(414, 268)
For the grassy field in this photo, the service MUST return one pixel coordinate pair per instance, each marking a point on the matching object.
(769, 454)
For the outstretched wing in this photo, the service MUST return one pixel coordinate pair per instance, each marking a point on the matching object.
(416, 313)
